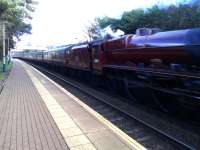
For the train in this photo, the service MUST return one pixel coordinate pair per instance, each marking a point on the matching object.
(154, 67)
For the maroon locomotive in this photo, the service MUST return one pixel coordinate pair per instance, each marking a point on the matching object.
(147, 48)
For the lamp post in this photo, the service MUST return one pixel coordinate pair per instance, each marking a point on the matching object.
(4, 45)
(8, 53)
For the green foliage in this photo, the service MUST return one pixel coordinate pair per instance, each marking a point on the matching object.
(107, 21)
(132, 20)
(93, 31)
(1, 76)
(16, 14)
(167, 18)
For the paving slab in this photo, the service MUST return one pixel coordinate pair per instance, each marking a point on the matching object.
(25, 121)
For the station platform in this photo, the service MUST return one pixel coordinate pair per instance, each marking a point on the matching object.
(37, 113)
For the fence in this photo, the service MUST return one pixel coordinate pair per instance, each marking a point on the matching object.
(8, 65)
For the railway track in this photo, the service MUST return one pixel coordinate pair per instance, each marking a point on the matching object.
(119, 114)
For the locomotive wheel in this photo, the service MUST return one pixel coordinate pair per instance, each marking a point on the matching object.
(113, 85)
(108, 85)
(143, 95)
(168, 102)
(127, 90)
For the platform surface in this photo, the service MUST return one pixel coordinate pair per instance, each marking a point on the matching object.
(37, 114)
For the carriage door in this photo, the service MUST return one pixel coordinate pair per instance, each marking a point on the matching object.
(96, 51)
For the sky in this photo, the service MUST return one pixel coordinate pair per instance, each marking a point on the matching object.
(57, 22)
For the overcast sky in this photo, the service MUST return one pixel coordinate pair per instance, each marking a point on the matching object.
(64, 21)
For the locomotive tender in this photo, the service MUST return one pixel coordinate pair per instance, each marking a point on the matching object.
(151, 66)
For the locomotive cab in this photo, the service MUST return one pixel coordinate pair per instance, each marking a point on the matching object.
(97, 56)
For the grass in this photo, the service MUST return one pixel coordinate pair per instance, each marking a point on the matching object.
(9, 66)
(1, 76)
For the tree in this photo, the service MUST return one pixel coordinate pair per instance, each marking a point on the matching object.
(16, 14)
(93, 32)
(132, 20)
(171, 17)
(106, 21)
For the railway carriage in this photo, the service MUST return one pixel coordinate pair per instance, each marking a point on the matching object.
(79, 57)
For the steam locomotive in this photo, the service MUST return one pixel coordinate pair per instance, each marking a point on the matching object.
(151, 66)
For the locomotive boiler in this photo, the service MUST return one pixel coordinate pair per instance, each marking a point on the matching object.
(179, 47)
